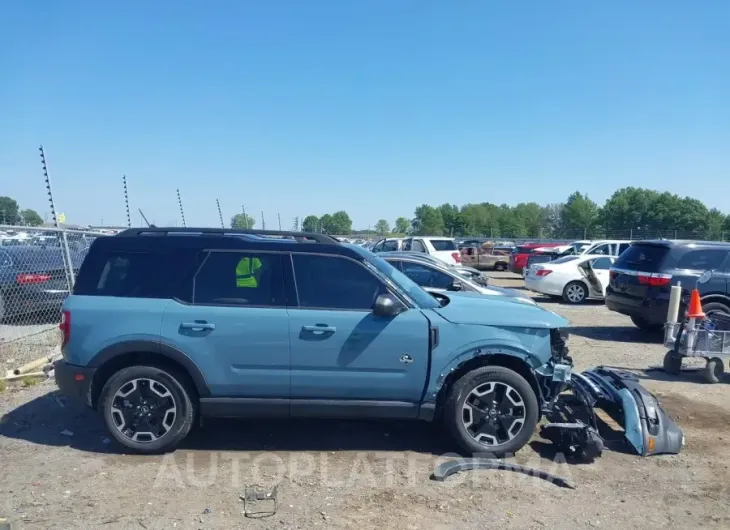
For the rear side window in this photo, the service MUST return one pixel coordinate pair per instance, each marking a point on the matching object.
(702, 260)
(644, 258)
(389, 246)
(443, 244)
(235, 278)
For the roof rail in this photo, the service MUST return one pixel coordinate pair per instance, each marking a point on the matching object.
(299, 236)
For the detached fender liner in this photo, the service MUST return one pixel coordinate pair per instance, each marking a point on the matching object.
(448, 468)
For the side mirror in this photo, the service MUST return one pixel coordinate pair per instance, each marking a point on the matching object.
(386, 305)
(456, 286)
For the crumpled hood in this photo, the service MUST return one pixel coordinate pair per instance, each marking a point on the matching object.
(502, 311)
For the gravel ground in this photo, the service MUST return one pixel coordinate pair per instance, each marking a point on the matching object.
(58, 471)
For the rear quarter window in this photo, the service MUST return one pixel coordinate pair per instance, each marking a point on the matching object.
(135, 274)
(443, 244)
(702, 259)
(645, 258)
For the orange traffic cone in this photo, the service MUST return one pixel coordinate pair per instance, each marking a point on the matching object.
(695, 306)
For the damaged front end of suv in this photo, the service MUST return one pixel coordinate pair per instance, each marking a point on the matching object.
(571, 399)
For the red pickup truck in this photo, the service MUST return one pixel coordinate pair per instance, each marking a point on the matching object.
(518, 259)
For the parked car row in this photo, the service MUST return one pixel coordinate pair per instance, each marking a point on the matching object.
(634, 278)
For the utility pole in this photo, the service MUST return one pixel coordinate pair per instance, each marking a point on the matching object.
(126, 201)
(182, 212)
(296, 224)
(220, 215)
(263, 221)
(279, 216)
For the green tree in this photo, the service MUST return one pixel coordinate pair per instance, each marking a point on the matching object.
(310, 224)
(9, 211)
(454, 224)
(480, 220)
(325, 224)
(580, 213)
(31, 218)
(511, 224)
(382, 227)
(402, 225)
(243, 221)
(339, 223)
(716, 223)
(628, 208)
(531, 216)
(427, 221)
(552, 215)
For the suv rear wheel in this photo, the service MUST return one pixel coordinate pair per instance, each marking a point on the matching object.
(713, 308)
(147, 409)
(491, 410)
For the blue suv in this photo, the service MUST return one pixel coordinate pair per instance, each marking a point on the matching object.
(166, 325)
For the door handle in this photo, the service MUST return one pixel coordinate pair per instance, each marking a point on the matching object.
(197, 325)
(319, 329)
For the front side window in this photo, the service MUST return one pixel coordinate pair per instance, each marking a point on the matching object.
(426, 276)
(235, 278)
(331, 282)
(602, 249)
(390, 246)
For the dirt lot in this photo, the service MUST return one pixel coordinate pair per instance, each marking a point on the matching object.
(59, 471)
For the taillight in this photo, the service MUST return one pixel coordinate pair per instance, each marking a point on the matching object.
(456, 256)
(654, 279)
(25, 279)
(543, 272)
(65, 327)
(613, 274)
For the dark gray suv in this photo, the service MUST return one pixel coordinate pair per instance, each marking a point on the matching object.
(642, 277)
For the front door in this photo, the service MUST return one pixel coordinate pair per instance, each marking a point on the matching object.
(597, 273)
(235, 325)
(340, 349)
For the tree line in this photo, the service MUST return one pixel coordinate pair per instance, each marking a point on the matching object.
(642, 211)
(11, 214)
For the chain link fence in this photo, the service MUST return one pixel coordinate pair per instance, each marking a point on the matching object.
(37, 271)
(595, 234)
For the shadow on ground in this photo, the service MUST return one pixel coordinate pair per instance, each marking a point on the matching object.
(629, 334)
(54, 421)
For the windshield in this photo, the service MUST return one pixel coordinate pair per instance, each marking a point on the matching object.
(443, 244)
(411, 288)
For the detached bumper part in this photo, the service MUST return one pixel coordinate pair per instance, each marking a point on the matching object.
(647, 427)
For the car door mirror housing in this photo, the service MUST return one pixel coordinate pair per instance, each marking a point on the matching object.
(386, 305)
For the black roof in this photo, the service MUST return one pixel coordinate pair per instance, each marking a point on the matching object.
(672, 243)
(162, 239)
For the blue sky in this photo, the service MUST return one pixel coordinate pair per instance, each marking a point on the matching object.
(371, 106)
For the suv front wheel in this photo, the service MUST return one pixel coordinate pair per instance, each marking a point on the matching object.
(147, 409)
(491, 410)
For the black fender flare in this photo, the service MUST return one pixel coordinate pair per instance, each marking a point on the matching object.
(155, 348)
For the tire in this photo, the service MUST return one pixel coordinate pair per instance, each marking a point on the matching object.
(645, 325)
(672, 363)
(715, 307)
(575, 293)
(714, 370)
(478, 380)
(152, 382)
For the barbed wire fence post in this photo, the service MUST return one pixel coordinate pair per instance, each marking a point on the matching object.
(182, 212)
(66, 253)
(220, 214)
(126, 201)
(279, 216)
(263, 221)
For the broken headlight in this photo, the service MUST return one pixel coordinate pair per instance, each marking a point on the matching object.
(558, 346)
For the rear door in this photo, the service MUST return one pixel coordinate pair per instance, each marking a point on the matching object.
(236, 329)
(597, 272)
(340, 349)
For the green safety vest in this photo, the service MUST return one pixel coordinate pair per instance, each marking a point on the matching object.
(245, 272)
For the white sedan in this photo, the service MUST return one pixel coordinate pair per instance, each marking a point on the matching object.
(573, 278)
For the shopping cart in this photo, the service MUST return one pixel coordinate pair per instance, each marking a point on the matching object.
(708, 337)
